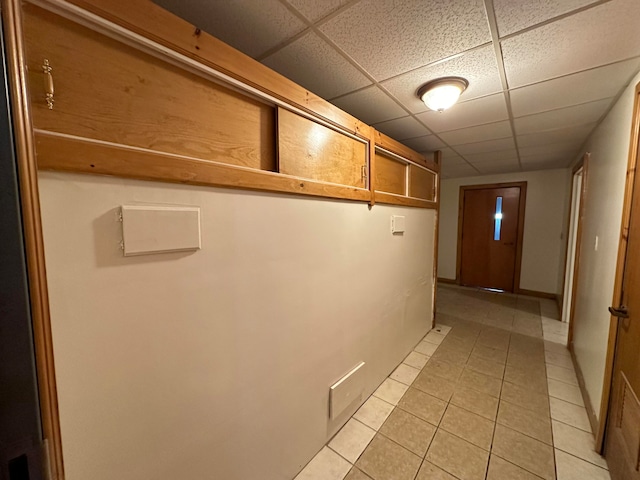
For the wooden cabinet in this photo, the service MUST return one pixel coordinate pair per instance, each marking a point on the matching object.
(134, 107)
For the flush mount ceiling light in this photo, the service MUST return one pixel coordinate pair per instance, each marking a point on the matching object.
(442, 93)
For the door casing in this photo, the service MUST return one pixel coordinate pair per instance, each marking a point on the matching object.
(634, 151)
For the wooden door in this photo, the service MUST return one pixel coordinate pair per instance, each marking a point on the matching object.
(489, 237)
(622, 448)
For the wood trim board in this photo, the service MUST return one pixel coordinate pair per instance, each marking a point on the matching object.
(33, 237)
(80, 155)
(583, 164)
(437, 159)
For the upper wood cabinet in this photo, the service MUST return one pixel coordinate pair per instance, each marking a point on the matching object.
(153, 100)
(307, 149)
(108, 91)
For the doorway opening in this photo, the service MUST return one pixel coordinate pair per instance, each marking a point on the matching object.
(572, 257)
(490, 231)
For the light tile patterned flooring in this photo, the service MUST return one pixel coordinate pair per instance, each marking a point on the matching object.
(490, 393)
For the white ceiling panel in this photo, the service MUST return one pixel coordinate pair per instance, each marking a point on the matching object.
(428, 143)
(488, 146)
(479, 67)
(480, 133)
(567, 148)
(315, 10)
(454, 160)
(449, 156)
(370, 105)
(546, 164)
(487, 168)
(587, 86)
(563, 117)
(503, 156)
(598, 36)
(467, 114)
(458, 170)
(312, 63)
(411, 33)
(552, 137)
(402, 128)
(513, 16)
(240, 23)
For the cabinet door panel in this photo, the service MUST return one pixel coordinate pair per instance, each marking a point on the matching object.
(309, 150)
(109, 91)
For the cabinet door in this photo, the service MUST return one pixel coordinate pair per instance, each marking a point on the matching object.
(106, 90)
(307, 149)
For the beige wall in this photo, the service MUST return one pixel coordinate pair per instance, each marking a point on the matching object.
(609, 148)
(543, 242)
(217, 364)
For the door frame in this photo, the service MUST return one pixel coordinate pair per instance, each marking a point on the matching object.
(634, 152)
(520, 234)
(583, 164)
(11, 11)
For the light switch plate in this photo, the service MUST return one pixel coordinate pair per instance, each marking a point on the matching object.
(148, 229)
(397, 224)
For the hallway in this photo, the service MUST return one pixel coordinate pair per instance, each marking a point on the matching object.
(490, 393)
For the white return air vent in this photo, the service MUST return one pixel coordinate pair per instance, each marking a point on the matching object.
(148, 229)
(346, 390)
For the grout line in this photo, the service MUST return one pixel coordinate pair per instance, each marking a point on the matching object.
(493, 28)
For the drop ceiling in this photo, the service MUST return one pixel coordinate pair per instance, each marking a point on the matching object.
(542, 73)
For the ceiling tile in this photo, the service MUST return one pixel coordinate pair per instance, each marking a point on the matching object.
(411, 33)
(452, 158)
(499, 167)
(314, 64)
(489, 131)
(467, 114)
(503, 156)
(315, 10)
(402, 128)
(479, 67)
(563, 117)
(370, 105)
(545, 150)
(514, 16)
(545, 165)
(458, 170)
(559, 160)
(598, 36)
(240, 23)
(488, 146)
(572, 134)
(428, 143)
(590, 85)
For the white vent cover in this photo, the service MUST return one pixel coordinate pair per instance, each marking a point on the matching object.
(148, 229)
(346, 390)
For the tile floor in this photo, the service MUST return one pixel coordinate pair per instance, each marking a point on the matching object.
(490, 393)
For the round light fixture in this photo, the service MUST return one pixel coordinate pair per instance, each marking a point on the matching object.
(442, 93)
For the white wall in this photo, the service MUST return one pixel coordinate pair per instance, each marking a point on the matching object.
(543, 242)
(609, 148)
(217, 364)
